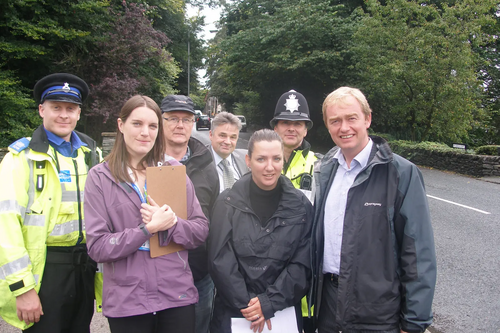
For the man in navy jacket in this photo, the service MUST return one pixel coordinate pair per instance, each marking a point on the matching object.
(374, 260)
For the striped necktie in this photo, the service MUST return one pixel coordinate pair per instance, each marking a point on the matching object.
(227, 174)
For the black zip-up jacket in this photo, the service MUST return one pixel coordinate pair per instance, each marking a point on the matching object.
(247, 259)
(200, 168)
(388, 262)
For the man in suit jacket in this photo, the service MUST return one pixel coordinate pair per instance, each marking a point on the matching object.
(230, 161)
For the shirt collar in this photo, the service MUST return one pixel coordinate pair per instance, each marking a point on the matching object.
(361, 159)
(218, 159)
(75, 140)
(183, 159)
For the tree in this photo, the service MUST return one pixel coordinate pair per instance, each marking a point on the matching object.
(119, 48)
(416, 63)
(34, 37)
(170, 17)
(35, 34)
(488, 132)
(267, 48)
(130, 59)
(17, 116)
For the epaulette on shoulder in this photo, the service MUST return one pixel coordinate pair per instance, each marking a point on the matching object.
(318, 155)
(317, 165)
(20, 145)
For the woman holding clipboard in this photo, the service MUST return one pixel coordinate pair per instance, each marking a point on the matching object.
(140, 293)
(259, 245)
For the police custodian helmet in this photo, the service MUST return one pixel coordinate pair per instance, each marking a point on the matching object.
(61, 87)
(292, 106)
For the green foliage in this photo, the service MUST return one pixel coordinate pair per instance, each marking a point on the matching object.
(116, 54)
(409, 149)
(417, 66)
(493, 150)
(198, 98)
(249, 107)
(385, 136)
(488, 131)
(34, 34)
(269, 47)
(18, 117)
(424, 65)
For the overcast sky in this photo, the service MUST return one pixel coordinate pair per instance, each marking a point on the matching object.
(211, 17)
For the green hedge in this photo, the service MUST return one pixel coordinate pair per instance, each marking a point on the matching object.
(493, 150)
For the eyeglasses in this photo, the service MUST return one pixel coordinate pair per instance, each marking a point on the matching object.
(175, 120)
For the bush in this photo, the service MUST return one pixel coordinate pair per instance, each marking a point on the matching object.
(409, 149)
(386, 136)
(493, 150)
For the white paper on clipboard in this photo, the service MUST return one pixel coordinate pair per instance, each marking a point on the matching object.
(284, 321)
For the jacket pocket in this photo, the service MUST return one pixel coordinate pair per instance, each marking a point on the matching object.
(121, 275)
(67, 208)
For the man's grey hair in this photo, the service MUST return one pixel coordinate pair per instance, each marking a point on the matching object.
(226, 118)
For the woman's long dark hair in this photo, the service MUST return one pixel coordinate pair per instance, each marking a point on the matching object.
(118, 159)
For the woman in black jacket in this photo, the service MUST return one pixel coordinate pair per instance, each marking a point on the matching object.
(259, 241)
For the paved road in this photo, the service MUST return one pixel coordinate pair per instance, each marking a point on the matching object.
(467, 233)
(466, 219)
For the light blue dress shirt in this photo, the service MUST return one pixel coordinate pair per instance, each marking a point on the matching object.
(65, 148)
(336, 204)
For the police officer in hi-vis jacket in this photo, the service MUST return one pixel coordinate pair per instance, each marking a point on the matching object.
(46, 276)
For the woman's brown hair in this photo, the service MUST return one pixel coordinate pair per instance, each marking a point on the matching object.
(118, 159)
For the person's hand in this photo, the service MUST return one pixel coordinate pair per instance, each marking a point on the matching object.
(29, 308)
(163, 218)
(147, 211)
(254, 314)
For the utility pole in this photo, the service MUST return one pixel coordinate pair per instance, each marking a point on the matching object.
(189, 64)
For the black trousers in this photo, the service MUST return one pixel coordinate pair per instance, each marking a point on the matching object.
(326, 316)
(174, 320)
(67, 291)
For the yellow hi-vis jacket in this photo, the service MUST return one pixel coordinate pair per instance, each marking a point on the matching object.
(301, 162)
(41, 204)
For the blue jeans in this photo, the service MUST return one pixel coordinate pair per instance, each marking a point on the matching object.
(203, 309)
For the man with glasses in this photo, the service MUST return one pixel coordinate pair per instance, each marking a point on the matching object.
(179, 117)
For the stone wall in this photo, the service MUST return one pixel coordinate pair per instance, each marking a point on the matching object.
(473, 165)
(108, 140)
(3, 152)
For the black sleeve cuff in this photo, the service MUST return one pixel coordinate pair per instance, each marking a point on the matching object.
(16, 286)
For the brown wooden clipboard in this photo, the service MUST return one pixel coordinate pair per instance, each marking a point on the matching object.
(167, 185)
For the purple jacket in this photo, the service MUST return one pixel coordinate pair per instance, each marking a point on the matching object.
(135, 283)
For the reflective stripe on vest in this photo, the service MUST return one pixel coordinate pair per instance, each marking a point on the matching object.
(34, 220)
(14, 266)
(12, 206)
(31, 188)
(69, 196)
(65, 228)
(68, 230)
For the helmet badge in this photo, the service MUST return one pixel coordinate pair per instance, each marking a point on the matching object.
(292, 103)
(66, 87)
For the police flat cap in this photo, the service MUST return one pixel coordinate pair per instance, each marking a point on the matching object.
(61, 87)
